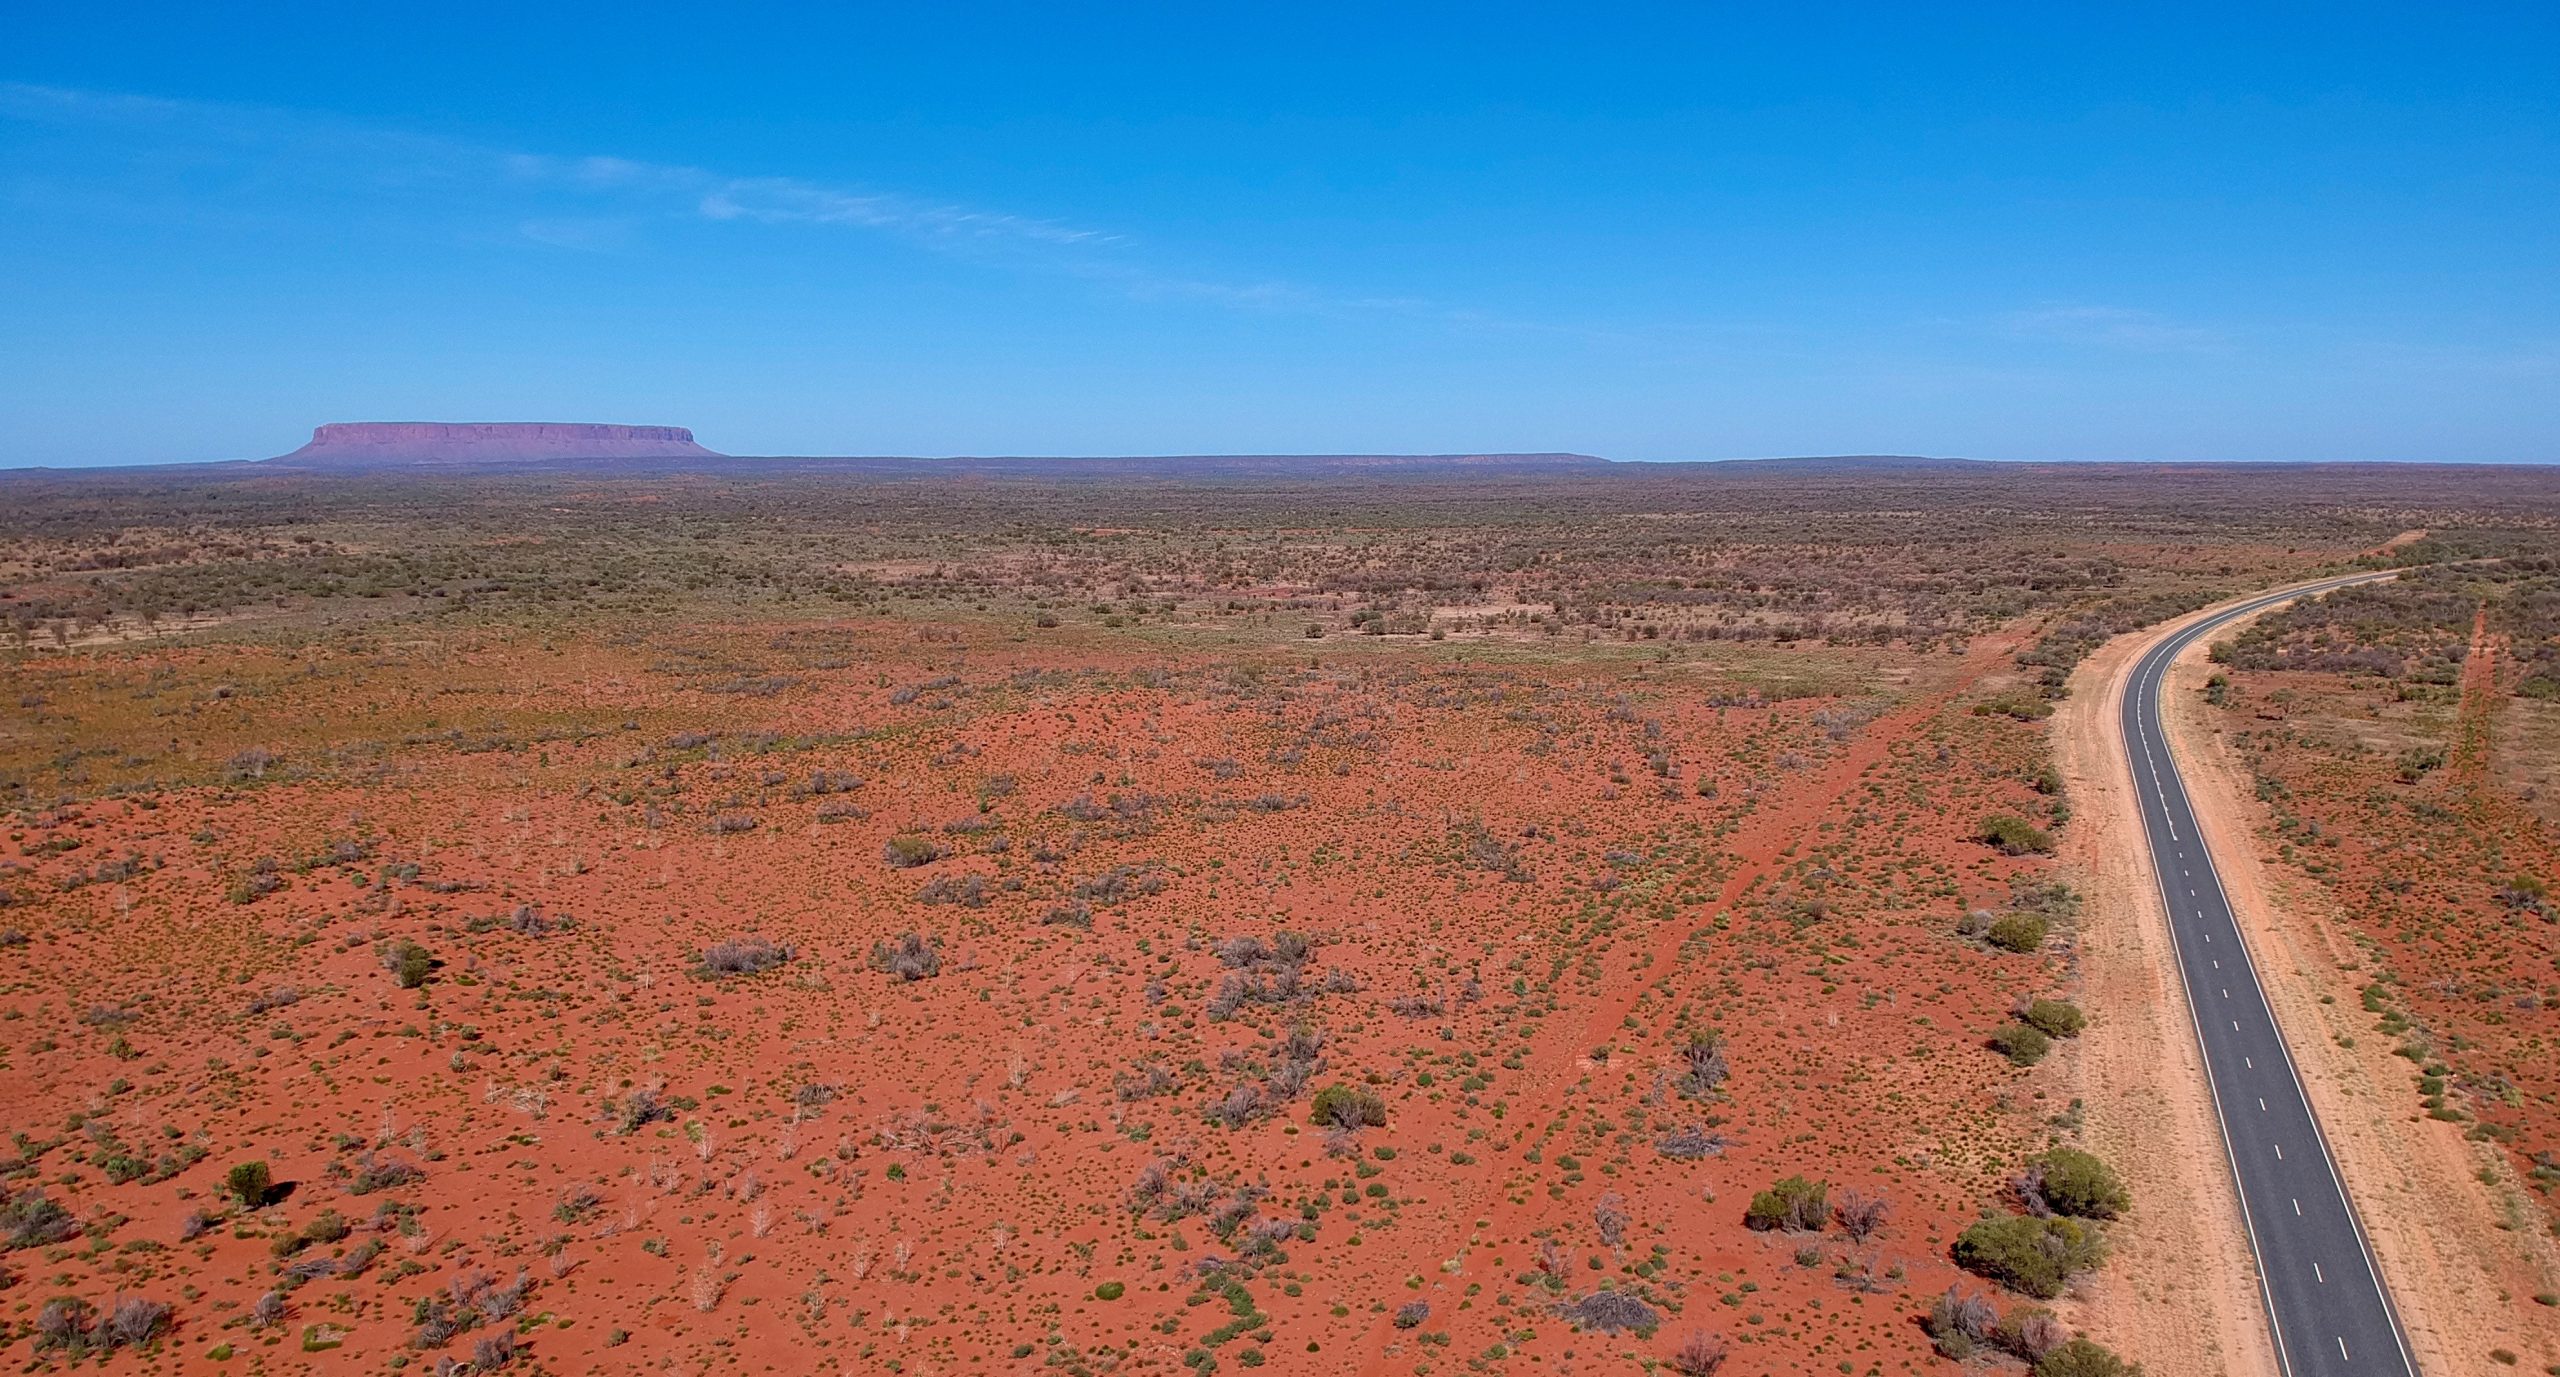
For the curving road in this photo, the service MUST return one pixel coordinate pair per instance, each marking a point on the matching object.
(2324, 1296)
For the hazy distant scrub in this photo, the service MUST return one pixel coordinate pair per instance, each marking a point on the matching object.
(2068, 643)
(1921, 557)
(2416, 627)
(2419, 622)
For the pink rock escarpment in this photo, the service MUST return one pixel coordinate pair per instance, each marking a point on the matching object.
(398, 443)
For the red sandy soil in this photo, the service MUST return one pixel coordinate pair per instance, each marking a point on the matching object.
(2422, 859)
(1521, 901)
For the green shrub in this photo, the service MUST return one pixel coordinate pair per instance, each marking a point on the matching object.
(1344, 1106)
(2021, 1044)
(253, 886)
(1795, 1204)
(2017, 932)
(1958, 1323)
(2029, 1332)
(2015, 835)
(2076, 1183)
(2082, 1358)
(2035, 1256)
(250, 1183)
(29, 1220)
(912, 957)
(1111, 1290)
(905, 853)
(2055, 1018)
(409, 964)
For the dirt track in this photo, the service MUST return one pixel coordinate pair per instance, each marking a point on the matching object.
(1559, 1066)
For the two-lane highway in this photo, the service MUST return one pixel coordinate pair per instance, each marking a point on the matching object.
(2324, 1296)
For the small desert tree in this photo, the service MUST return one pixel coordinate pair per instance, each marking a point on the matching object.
(911, 957)
(2021, 1043)
(1861, 1214)
(2037, 1257)
(2017, 932)
(250, 1183)
(741, 956)
(907, 852)
(1796, 1204)
(2083, 1358)
(1609, 1215)
(2058, 1018)
(409, 963)
(1959, 1322)
(1705, 1065)
(1346, 1106)
(2070, 1181)
(2015, 835)
(1701, 1354)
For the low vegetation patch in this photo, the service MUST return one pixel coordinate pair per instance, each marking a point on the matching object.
(2055, 1018)
(741, 956)
(2015, 835)
(911, 957)
(1795, 1204)
(2069, 1181)
(2023, 1044)
(1347, 1106)
(2031, 1255)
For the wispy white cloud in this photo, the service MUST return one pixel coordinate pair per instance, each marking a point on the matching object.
(2525, 360)
(585, 233)
(292, 146)
(2114, 327)
(606, 203)
(783, 201)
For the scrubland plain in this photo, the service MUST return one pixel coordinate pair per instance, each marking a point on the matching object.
(796, 919)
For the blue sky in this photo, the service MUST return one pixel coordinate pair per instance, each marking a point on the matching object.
(2035, 231)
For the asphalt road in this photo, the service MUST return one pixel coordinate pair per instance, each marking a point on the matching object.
(2324, 1296)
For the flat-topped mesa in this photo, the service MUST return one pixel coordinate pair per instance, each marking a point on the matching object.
(390, 443)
